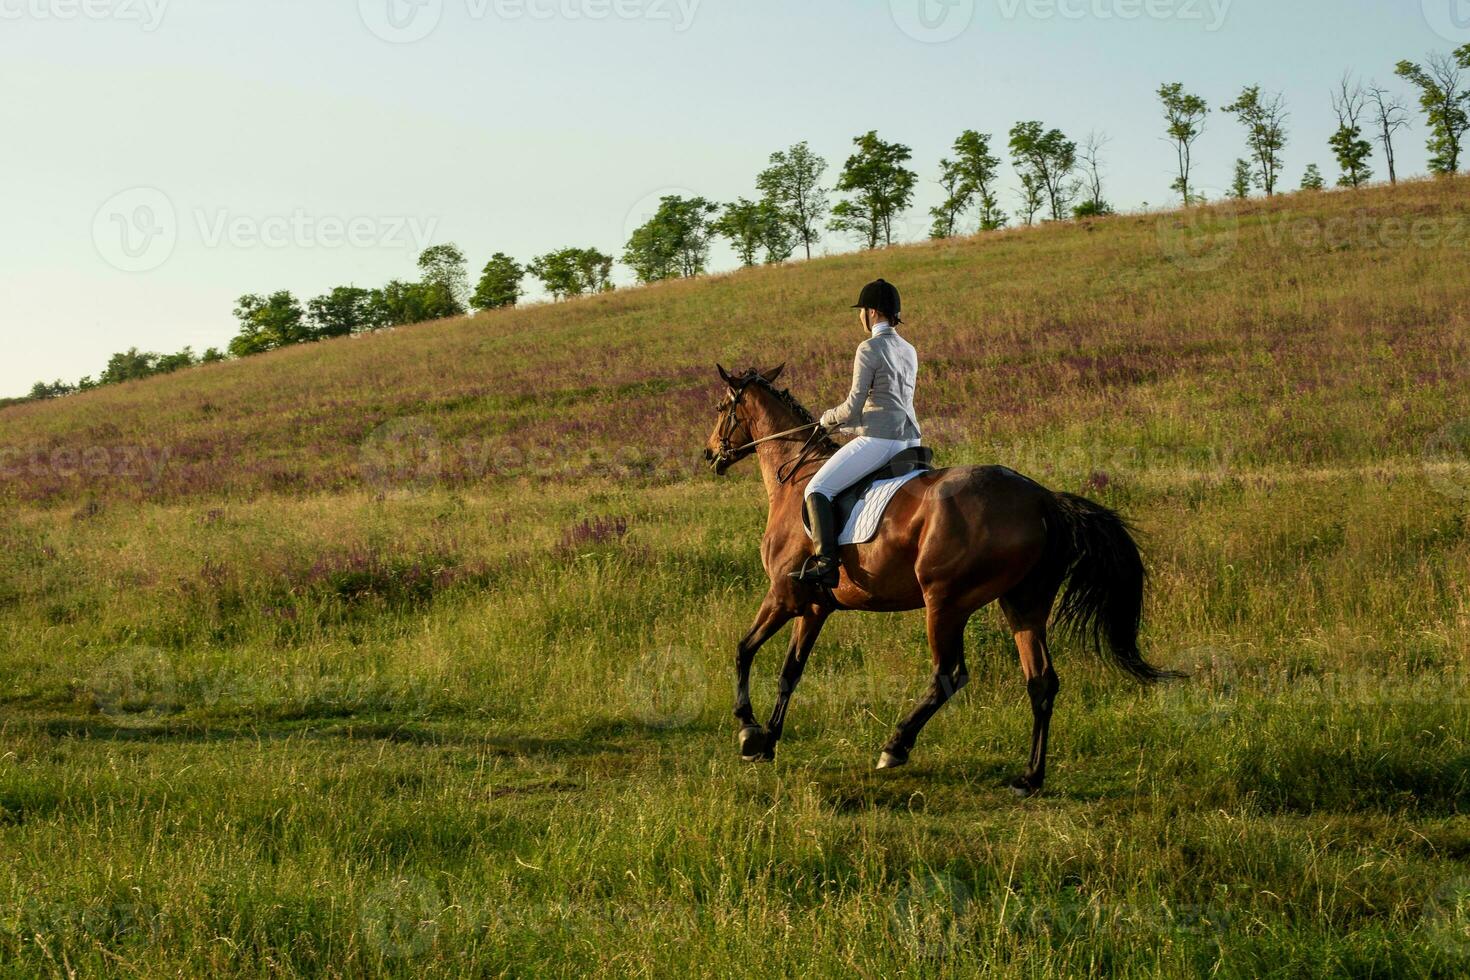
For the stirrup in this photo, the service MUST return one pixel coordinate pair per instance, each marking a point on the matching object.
(819, 570)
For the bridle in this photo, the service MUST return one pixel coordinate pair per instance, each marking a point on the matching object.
(730, 455)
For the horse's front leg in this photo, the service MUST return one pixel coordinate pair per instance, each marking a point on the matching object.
(803, 638)
(773, 615)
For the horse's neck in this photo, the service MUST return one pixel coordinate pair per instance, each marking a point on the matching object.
(775, 455)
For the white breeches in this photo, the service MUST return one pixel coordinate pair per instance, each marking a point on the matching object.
(854, 461)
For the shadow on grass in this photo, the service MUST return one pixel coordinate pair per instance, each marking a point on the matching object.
(453, 736)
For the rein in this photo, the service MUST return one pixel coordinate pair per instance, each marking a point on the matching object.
(788, 469)
(780, 435)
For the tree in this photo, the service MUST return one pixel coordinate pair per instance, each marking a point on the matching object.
(957, 196)
(500, 283)
(792, 186)
(1312, 180)
(1391, 116)
(345, 310)
(1265, 126)
(1443, 98)
(594, 270)
(1093, 205)
(129, 365)
(1240, 185)
(558, 273)
(1050, 158)
(1349, 101)
(211, 355)
(268, 322)
(674, 242)
(571, 272)
(881, 188)
(55, 389)
(968, 177)
(981, 169)
(1184, 118)
(168, 363)
(756, 227)
(400, 303)
(1033, 198)
(446, 281)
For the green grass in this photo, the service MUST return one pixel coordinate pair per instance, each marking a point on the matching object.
(314, 697)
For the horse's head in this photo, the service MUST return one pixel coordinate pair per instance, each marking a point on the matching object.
(730, 442)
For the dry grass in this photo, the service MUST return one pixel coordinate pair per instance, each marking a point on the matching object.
(409, 654)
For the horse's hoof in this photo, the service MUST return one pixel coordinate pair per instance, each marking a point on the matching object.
(1023, 789)
(890, 760)
(755, 745)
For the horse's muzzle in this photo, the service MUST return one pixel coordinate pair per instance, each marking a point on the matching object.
(718, 462)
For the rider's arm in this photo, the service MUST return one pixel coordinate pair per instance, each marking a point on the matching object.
(863, 368)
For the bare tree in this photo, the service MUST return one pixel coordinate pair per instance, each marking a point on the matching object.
(1090, 157)
(1391, 115)
(1350, 103)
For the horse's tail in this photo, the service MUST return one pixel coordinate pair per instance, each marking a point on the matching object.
(1103, 599)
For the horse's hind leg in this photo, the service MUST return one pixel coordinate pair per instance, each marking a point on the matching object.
(947, 643)
(1028, 622)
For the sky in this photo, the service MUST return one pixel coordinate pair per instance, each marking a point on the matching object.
(162, 157)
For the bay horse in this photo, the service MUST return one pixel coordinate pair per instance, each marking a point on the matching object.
(951, 542)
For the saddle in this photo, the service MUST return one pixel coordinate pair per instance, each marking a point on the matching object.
(919, 458)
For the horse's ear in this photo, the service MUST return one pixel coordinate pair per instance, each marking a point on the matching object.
(774, 372)
(725, 375)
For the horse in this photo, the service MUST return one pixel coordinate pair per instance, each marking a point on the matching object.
(951, 542)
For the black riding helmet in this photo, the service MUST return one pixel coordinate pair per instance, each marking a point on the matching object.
(881, 295)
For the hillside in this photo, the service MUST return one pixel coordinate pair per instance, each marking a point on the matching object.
(1148, 332)
(410, 654)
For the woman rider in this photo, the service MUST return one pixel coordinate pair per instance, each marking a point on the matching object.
(879, 411)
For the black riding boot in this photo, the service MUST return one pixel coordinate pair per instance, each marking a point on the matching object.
(821, 568)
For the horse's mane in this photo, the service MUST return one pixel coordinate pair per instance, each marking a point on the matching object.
(785, 397)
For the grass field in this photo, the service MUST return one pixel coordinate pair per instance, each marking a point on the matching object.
(411, 654)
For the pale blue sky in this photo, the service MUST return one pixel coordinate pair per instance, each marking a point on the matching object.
(283, 144)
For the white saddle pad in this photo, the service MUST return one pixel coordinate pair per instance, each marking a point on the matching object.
(862, 524)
